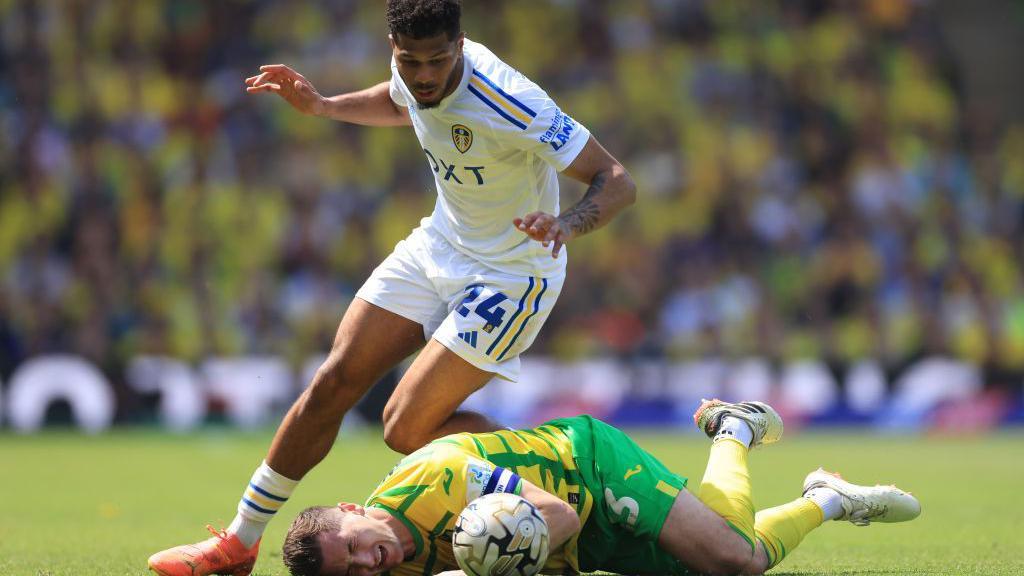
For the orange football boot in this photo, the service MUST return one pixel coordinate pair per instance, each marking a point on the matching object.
(222, 554)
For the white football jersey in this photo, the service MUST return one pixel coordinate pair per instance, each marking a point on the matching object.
(495, 145)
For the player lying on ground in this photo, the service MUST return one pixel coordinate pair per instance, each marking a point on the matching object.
(609, 505)
(474, 283)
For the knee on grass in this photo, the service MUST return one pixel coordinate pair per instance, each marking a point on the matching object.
(725, 561)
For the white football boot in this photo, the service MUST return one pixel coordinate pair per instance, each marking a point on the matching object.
(863, 505)
(764, 421)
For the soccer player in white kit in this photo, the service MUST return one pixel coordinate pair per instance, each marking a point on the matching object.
(471, 285)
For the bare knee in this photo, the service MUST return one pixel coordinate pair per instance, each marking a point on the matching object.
(402, 435)
(727, 560)
(720, 557)
(336, 385)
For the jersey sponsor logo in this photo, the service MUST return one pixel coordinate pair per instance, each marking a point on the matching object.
(452, 173)
(478, 474)
(561, 129)
(462, 137)
(556, 125)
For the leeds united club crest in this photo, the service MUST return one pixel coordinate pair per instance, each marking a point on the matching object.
(462, 137)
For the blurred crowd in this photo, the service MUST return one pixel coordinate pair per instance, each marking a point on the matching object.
(811, 180)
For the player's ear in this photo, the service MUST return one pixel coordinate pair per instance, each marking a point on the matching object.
(352, 508)
(459, 41)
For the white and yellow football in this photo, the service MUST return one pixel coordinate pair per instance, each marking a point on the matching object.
(500, 535)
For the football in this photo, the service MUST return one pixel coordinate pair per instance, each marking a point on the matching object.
(500, 535)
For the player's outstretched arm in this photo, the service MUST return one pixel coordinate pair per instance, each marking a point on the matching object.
(370, 107)
(611, 189)
(562, 519)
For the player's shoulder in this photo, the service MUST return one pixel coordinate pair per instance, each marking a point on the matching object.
(455, 445)
(500, 91)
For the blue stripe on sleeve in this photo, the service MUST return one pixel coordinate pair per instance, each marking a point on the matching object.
(495, 107)
(518, 104)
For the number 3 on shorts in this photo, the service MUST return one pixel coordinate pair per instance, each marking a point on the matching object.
(624, 510)
(488, 309)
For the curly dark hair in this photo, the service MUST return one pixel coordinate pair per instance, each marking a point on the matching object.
(424, 18)
(301, 550)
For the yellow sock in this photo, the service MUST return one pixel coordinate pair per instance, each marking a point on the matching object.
(725, 487)
(780, 529)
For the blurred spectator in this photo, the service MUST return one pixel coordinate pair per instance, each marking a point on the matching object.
(811, 182)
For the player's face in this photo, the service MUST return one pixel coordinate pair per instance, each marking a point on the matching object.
(430, 67)
(363, 546)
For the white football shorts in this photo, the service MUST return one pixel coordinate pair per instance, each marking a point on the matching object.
(484, 315)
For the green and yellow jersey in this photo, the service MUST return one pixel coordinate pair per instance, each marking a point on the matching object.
(428, 489)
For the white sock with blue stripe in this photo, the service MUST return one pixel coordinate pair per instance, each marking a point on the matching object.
(263, 497)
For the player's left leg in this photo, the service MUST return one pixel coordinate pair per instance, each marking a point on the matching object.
(423, 405)
(492, 317)
(702, 540)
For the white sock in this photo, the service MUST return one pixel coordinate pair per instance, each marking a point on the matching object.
(248, 531)
(830, 502)
(733, 427)
(263, 497)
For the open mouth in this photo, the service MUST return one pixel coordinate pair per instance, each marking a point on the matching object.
(425, 93)
(382, 556)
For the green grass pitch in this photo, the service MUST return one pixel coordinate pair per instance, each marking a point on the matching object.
(82, 506)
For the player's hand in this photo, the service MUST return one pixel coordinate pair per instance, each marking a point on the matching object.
(546, 229)
(287, 84)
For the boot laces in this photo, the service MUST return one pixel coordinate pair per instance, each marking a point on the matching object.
(222, 534)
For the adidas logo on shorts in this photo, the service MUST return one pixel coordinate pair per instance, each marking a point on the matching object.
(469, 337)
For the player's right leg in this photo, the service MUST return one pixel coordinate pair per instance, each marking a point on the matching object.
(383, 325)
(826, 496)
(369, 342)
(702, 540)
(862, 505)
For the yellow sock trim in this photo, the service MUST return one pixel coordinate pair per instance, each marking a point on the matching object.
(725, 487)
(782, 528)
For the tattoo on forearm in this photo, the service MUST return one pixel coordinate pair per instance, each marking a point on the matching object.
(583, 217)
